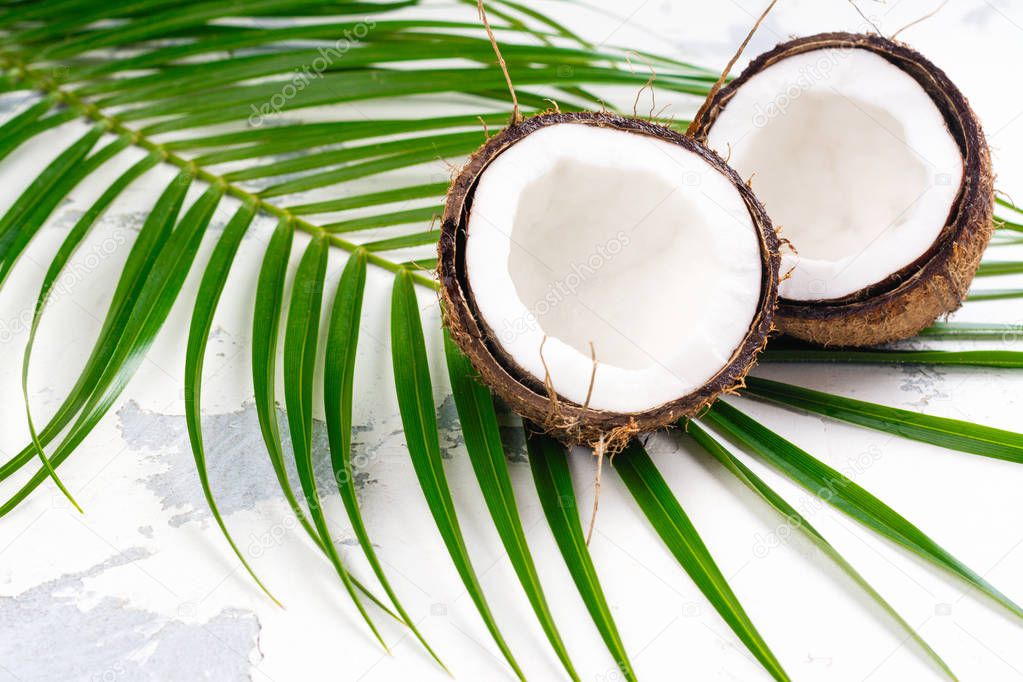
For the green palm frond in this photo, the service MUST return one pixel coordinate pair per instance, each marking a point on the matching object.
(844, 494)
(972, 331)
(339, 371)
(549, 464)
(253, 107)
(954, 434)
(482, 435)
(210, 290)
(1008, 359)
(415, 401)
(672, 524)
(797, 520)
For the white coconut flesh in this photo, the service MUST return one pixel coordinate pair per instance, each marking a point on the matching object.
(851, 159)
(594, 235)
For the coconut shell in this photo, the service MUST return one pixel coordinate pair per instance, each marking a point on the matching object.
(569, 421)
(936, 283)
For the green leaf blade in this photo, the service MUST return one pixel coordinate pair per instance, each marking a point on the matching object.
(338, 390)
(28, 212)
(795, 519)
(269, 303)
(844, 494)
(672, 524)
(210, 289)
(482, 436)
(415, 402)
(300, 342)
(166, 258)
(1004, 359)
(549, 464)
(150, 240)
(954, 434)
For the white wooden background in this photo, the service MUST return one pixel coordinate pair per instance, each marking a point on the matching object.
(142, 587)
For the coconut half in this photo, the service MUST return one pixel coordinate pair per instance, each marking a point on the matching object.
(605, 275)
(872, 164)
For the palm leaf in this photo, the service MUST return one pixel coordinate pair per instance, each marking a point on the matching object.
(549, 464)
(992, 268)
(339, 373)
(486, 452)
(666, 515)
(844, 494)
(11, 139)
(210, 290)
(415, 402)
(19, 122)
(125, 296)
(265, 333)
(149, 283)
(797, 520)
(23, 220)
(972, 331)
(1007, 359)
(67, 249)
(953, 434)
(300, 340)
(994, 294)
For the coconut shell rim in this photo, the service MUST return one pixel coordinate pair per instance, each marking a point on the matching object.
(574, 423)
(963, 237)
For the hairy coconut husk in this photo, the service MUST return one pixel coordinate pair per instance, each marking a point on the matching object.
(569, 421)
(936, 283)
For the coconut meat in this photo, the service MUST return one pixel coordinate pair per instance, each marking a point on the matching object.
(585, 235)
(852, 160)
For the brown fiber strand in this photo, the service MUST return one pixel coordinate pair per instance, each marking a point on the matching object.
(593, 375)
(865, 17)
(653, 101)
(599, 450)
(556, 108)
(516, 114)
(548, 383)
(920, 20)
(691, 130)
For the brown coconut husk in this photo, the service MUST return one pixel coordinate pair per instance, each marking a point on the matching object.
(571, 422)
(936, 283)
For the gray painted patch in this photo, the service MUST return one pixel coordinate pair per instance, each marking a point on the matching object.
(66, 217)
(985, 13)
(451, 440)
(45, 635)
(512, 435)
(239, 468)
(448, 428)
(13, 103)
(927, 383)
